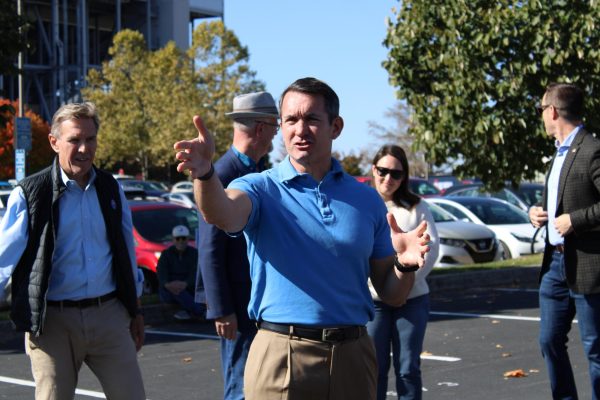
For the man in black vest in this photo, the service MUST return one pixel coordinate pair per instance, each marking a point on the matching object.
(66, 248)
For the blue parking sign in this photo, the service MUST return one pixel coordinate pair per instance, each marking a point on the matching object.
(19, 164)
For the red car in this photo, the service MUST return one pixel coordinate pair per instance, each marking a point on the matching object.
(153, 222)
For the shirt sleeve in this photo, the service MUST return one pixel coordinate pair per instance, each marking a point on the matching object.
(248, 184)
(127, 226)
(13, 237)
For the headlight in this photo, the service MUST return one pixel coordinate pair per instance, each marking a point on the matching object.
(452, 242)
(522, 238)
(157, 254)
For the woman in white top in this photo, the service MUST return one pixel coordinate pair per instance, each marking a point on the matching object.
(402, 328)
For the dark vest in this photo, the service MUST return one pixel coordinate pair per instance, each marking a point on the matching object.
(29, 281)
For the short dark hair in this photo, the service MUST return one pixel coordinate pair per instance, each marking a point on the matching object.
(316, 87)
(568, 100)
(403, 193)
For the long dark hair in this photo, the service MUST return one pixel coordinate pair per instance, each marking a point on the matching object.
(403, 193)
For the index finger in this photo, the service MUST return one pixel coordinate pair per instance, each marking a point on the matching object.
(200, 127)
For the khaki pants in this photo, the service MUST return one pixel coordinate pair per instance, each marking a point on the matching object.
(98, 336)
(288, 368)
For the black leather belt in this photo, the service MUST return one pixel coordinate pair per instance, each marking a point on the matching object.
(83, 303)
(329, 335)
(560, 248)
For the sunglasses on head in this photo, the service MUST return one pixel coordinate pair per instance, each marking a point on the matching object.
(394, 173)
(180, 238)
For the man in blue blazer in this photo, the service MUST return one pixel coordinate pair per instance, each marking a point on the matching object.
(222, 260)
(570, 274)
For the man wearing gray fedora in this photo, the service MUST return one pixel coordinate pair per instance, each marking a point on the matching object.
(223, 262)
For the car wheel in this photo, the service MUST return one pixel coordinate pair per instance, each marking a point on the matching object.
(150, 282)
(506, 254)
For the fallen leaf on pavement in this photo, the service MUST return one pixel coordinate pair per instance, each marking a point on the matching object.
(187, 360)
(517, 373)
(506, 355)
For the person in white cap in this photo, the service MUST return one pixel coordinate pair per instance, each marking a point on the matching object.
(176, 271)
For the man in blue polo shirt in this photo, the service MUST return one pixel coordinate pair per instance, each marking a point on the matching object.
(314, 237)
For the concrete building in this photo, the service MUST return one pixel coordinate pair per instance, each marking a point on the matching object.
(71, 36)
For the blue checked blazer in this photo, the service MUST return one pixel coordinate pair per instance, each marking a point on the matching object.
(579, 196)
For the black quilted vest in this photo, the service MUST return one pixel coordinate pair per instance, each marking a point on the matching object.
(29, 281)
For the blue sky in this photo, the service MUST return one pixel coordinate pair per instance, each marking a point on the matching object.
(339, 42)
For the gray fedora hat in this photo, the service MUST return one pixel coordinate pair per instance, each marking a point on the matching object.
(260, 104)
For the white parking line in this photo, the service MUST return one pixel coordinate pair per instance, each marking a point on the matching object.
(21, 382)
(439, 358)
(493, 316)
(184, 334)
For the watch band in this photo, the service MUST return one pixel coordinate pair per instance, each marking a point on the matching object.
(207, 175)
(404, 268)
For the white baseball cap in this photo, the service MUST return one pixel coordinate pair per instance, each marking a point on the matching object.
(180, 231)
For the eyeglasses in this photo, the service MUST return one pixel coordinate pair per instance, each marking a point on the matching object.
(394, 173)
(181, 238)
(276, 126)
(540, 109)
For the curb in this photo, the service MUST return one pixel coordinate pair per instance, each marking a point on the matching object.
(508, 276)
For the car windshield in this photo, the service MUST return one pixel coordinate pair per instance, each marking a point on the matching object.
(423, 188)
(155, 225)
(144, 185)
(531, 194)
(439, 214)
(496, 212)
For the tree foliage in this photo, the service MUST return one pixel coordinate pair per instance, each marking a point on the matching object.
(472, 71)
(41, 153)
(11, 41)
(223, 71)
(353, 163)
(146, 99)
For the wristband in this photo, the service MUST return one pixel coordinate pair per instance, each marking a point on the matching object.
(404, 268)
(207, 175)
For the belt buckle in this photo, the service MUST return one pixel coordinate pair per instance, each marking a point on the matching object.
(332, 335)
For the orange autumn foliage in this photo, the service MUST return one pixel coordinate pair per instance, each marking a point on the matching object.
(41, 153)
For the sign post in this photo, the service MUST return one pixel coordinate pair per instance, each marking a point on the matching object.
(23, 144)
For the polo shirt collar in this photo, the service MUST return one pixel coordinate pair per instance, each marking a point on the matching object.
(287, 172)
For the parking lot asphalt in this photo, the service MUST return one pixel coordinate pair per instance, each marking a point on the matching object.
(478, 331)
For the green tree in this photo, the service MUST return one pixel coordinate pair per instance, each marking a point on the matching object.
(223, 72)
(351, 162)
(11, 41)
(472, 71)
(145, 99)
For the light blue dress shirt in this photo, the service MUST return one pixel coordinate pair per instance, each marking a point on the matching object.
(82, 258)
(553, 180)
